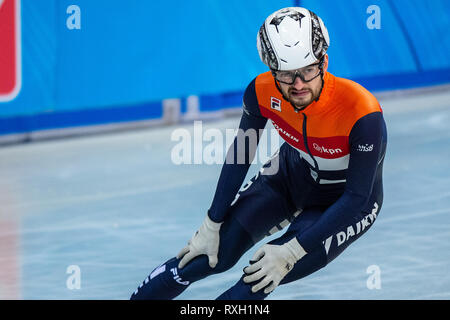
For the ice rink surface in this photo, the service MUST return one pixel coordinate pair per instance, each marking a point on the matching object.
(113, 207)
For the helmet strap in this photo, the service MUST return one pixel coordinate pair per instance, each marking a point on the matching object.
(323, 84)
(321, 63)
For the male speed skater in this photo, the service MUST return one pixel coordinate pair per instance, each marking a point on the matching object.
(327, 189)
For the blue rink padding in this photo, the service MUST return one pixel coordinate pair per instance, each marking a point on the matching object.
(79, 118)
(207, 103)
(399, 81)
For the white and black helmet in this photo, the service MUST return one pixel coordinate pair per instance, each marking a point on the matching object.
(292, 38)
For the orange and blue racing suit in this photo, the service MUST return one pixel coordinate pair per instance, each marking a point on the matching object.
(327, 188)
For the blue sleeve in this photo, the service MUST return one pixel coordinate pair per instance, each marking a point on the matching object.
(250, 103)
(239, 157)
(367, 148)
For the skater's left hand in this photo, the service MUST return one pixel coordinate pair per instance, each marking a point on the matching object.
(272, 264)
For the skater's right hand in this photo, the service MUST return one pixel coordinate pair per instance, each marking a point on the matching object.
(204, 241)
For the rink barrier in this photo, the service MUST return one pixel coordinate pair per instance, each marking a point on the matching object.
(54, 125)
(171, 111)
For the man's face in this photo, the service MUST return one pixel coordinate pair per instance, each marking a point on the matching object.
(302, 94)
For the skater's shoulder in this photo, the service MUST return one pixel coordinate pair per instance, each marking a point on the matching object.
(355, 96)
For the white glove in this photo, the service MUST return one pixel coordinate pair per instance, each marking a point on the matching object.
(204, 241)
(273, 263)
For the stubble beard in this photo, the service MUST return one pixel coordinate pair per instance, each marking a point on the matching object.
(302, 102)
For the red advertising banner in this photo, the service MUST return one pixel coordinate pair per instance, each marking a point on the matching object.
(10, 49)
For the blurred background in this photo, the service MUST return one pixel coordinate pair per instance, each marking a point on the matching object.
(102, 202)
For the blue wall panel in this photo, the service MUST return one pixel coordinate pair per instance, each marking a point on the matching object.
(151, 50)
(427, 25)
(356, 50)
(38, 60)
